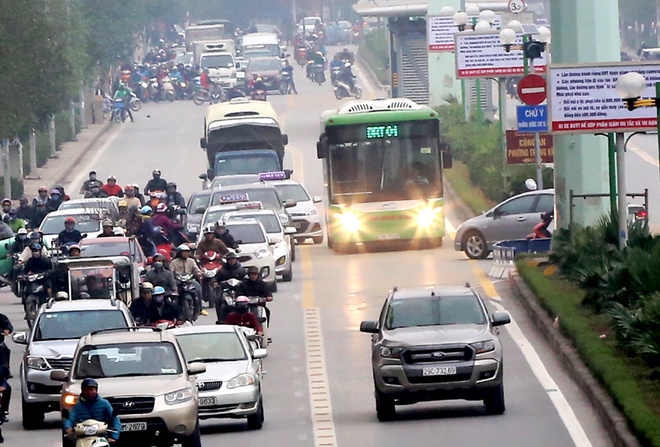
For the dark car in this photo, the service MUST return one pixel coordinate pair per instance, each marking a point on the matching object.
(196, 206)
(266, 68)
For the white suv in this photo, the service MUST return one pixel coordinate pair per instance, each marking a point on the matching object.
(305, 215)
(57, 328)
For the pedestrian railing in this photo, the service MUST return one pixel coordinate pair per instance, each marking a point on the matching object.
(504, 254)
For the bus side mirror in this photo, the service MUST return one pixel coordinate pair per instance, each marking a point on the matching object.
(322, 147)
(447, 161)
(202, 143)
(285, 139)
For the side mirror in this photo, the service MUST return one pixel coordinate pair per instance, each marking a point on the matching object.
(272, 240)
(259, 353)
(290, 203)
(370, 327)
(447, 160)
(500, 318)
(317, 199)
(181, 211)
(290, 230)
(196, 368)
(285, 139)
(59, 375)
(322, 147)
(238, 65)
(83, 236)
(200, 210)
(204, 176)
(210, 174)
(288, 173)
(202, 143)
(20, 338)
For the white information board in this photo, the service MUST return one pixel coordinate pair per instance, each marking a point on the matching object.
(583, 98)
(482, 55)
(441, 29)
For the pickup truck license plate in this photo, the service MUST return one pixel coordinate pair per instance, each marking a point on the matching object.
(134, 426)
(439, 371)
(206, 401)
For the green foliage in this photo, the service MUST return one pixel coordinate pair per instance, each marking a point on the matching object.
(374, 48)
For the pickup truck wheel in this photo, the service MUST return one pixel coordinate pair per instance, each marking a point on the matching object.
(385, 409)
(495, 401)
(194, 440)
(32, 416)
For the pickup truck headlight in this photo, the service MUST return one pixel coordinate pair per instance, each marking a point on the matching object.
(391, 353)
(244, 379)
(38, 363)
(483, 346)
(179, 396)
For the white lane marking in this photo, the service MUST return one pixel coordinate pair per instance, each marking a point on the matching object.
(643, 155)
(78, 181)
(323, 424)
(551, 388)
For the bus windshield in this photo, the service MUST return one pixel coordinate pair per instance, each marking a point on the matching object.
(383, 162)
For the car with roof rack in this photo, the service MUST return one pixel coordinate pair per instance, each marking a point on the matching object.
(51, 344)
(144, 375)
(436, 343)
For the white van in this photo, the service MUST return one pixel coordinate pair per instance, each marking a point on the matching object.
(259, 41)
(221, 66)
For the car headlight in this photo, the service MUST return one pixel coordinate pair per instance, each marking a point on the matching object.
(284, 218)
(179, 396)
(427, 216)
(312, 212)
(244, 379)
(192, 228)
(262, 253)
(70, 399)
(38, 363)
(280, 261)
(349, 221)
(392, 353)
(483, 346)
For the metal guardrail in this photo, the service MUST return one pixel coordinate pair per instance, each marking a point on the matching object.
(504, 254)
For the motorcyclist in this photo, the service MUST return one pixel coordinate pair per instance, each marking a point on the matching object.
(346, 76)
(254, 285)
(258, 85)
(24, 210)
(6, 329)
(288, 68)
(92, 406)
(63, 195)
(319, 59)
(336, 62)
(205, 80)
(183, 264)
(74, 251)
(131, 198)
(37, 263)
(145, 232)
(14, 222)
(234, 92)
(54, 201)
(39, 214)
(96, 287)
(161, 219)
(108, 228)
(243, 317)
(162, 308)
(223, 234)
(174, 197)
(231, 269)
(5, 230)
(6, 206)
(42, 196)
(69, 234)
(140, 306)
(345, 55)
(33, 238)
(210, 243)
(124, 93)
(111, 188)
(160, 276)
(20, 242)
(156, 183)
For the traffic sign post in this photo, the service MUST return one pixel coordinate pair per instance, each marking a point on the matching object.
(532, 90)
(534, 119)
(517, 6)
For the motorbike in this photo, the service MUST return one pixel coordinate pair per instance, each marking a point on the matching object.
(342, 90)
(259, 95)
(108, 105)
(188, 299)
(167, 89)
(225, 301)
(35, 294)
(181, 88)
(212, 96)
(256, 305)
(301, 56)
(541, 229)
(318, 74)
(154, 90)
(118, 111)
(285, 85)
(334, 74)
(134, 103)
(210, 264)
(90, 433)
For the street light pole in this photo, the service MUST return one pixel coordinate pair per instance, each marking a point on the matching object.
(622, 193)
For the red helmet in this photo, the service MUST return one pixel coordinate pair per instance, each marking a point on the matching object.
(70, 220)
(161, 208)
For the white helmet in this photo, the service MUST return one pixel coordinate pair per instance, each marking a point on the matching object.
(183, 247)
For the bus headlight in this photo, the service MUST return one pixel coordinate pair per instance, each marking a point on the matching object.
(349, 221)
(426, 217)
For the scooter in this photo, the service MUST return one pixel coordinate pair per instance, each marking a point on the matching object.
(210, 264)
(285, 85)
(118, 111)
(259, 95)
(35, 293)
(334, 74)
(167, 89)
(188, 299)
(134, 103)
(225, 302)
(342, 90)
(318, 74)
(90, 433)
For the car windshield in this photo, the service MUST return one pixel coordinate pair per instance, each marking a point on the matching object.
(127, 360)
(252, 54)
(85, 223)
(434, 311)
(217, 61)
(231, 180)
(115, 248)
(74, 324)
(88, 205)
(247, 234)
(273, 64)
(214, 216)
(267, 196)
(270, 221)
(294, 192)
(212, 347)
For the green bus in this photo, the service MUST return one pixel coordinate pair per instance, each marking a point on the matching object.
(382, 168)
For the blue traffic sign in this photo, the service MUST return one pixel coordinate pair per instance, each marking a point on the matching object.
(533, 118)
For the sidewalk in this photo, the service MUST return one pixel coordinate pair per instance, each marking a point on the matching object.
(57, 169)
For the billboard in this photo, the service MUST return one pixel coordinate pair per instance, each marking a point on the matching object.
(520, 148)
(583, 98)
(441, 29)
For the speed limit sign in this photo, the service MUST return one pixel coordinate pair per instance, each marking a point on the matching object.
(517, 6)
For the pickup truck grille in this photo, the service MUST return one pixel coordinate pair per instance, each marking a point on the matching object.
(438, 354)
(61, 363)
(132, 405)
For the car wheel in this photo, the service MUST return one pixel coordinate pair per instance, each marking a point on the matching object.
(273, 287)
(475, 245)
(293, 250)
(318, 239)
(194, 440)
(32, 415)
(495, 401)
(385, 409)
(256, 421)
(288, 276)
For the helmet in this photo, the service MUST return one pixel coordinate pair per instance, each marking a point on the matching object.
(22, 231)
(43, 188)
(107, 223)
(89, 383)
(52, 191)
(347, 65)
(259, 79)
(8, 201)
(146, 210)
(146, 286)
(156, 172)
(35, 235)
(23, 200)
(12, 212)
(159, 256)
(171, 184)
(69, 219)
(242, 299)
(183, 247)
(161, 208)
(61, 296)
(209, 229)
(74, 246)
(345, 50)
(112, 177)
(231, 255)
(318, 53)
(92, 172)
(35, 247)
(158, 290)
(253, 269)
(129, 187)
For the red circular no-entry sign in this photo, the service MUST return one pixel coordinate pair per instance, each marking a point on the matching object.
(532, 90)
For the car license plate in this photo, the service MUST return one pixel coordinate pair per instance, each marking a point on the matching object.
(389, 236)
(133, 426)
(206, 401)
(439, 371)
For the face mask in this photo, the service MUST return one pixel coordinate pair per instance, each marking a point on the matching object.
(158, 265)
(22, 236)
(242, 309)
(159, 298)
(156, 176)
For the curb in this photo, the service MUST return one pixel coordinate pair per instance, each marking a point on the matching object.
(369, 72)
(460, 209)
(610, 417)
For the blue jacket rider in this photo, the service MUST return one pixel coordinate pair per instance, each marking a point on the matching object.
(92, 406)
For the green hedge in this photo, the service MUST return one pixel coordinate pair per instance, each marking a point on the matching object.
(619, 374)
(374, 49)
